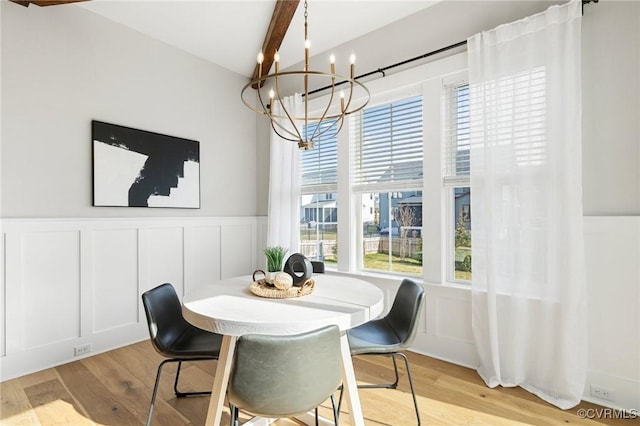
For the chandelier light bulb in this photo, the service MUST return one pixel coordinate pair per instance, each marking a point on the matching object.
(332, 59)
(307, 44)
(352, 67)
(260, 57)
(272, 94)
(276, 60)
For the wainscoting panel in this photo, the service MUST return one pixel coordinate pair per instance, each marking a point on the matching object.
(612, 251)
(448, 325)
(237, 239)
(165, 260)
(452, 318)
(115, 278)
(76, 283)
(50, 288)
(202, 256)
(3, 305)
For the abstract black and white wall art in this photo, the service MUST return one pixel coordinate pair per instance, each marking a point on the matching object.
(136, 168)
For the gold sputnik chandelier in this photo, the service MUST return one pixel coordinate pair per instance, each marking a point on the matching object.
(299, 124)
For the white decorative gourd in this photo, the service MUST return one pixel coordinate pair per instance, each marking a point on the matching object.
(283, 281)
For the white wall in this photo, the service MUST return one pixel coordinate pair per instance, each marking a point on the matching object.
(72, 274)
(611, 108)
(64, 66)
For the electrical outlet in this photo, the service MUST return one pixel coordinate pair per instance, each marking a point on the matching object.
(602, 393)
(81, 350)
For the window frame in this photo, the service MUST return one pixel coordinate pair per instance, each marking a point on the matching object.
(451, 182)
(377, 100)
(429, 80)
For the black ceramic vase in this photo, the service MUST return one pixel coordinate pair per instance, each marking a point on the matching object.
(299, 267)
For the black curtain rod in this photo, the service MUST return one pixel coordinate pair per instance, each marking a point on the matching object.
(587, 2)
(388, 67)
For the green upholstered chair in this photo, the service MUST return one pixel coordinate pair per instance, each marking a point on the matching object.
(284, 376)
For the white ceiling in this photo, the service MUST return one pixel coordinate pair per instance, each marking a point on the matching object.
(230, 33)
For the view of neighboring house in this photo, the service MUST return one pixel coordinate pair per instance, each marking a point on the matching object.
(319, 210)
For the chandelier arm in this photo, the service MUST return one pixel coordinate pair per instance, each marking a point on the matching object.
(292, 139)
(333, 125)
(316, 132)
(291, 120)
(265, 78)
(274, 121)
(265, 109)
(284, 129)
(346, 108)
(306, 89)
(340, 126)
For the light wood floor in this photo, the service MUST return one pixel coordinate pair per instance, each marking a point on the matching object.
(114, 388)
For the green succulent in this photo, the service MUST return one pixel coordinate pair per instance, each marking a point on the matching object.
(275, 257)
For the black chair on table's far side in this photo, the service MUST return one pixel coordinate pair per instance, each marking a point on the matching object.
(283, 376)
(389, 335)
(318, 267)
(175, 338)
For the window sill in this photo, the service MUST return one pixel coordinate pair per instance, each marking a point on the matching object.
(374, 277)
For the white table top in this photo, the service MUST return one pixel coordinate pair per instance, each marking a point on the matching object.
(228, 307)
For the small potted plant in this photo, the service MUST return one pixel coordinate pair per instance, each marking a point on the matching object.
(275, 258)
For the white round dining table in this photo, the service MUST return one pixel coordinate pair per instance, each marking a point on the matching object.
(229, 308)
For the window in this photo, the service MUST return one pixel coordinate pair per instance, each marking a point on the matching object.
(318, 200)
(385, 171)
(387, 166)
(457, 183)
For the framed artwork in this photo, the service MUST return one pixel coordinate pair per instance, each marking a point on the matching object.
(136, 168)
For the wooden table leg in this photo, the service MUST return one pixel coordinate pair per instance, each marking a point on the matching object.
(349, 382)
(220, 380)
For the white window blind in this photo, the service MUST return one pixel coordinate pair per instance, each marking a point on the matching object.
(319, 166)
(456, 127)
(517, 106)
(387, 146)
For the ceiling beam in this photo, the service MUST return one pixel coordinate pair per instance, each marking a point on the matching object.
(26, 3)
(280, 20)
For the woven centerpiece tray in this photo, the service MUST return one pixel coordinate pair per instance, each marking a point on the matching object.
(263, 289)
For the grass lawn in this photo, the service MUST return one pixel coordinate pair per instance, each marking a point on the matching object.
(310, 234)
(380, 262)
(463, 275)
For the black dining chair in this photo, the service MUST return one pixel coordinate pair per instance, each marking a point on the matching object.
(283, 376)
(391, 334)
(318, 266)
(174, 338)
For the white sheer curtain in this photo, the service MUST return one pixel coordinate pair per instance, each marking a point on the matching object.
(284, 185)
(528, 285)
